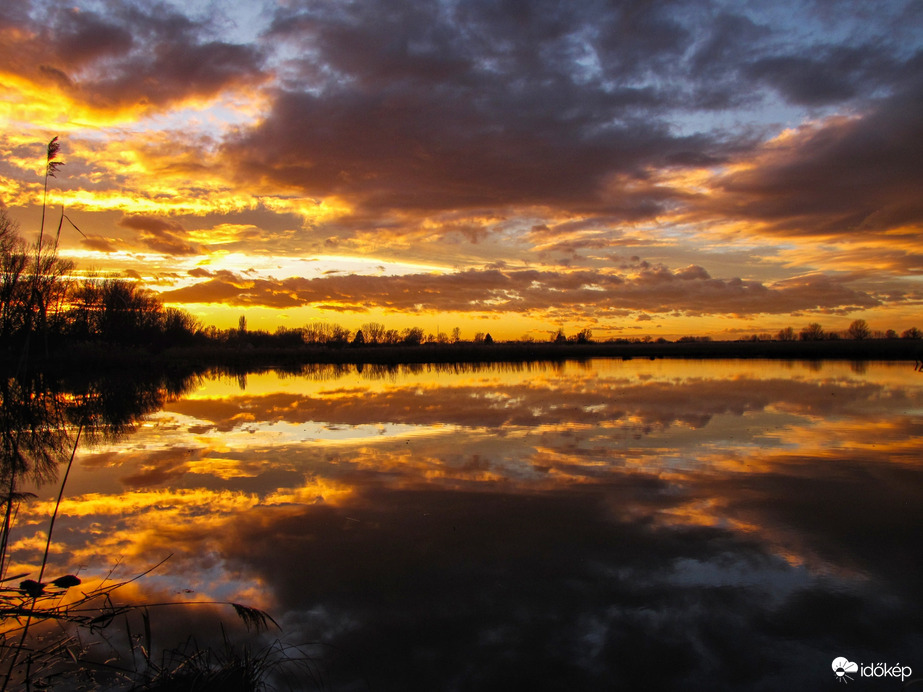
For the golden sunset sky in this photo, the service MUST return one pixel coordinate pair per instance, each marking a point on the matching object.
(636, 168)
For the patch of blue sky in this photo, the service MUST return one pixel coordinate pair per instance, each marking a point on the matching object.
(759, 120)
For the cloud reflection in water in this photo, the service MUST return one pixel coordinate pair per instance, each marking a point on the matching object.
(653, 525)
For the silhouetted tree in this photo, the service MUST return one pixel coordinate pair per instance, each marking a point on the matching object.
(13, 287)
(339, 336)
(128, 312)
(374, 332)
(584, 336)
(34, 285)
(813, 332)
(786, 334)
(412, 336)
(120, 311)
(178, 326)
(327, 334)
(859, 330)
(912, 333)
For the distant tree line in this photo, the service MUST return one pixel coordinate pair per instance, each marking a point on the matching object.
(858, 330)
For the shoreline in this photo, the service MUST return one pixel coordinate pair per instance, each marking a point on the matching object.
(106, 357)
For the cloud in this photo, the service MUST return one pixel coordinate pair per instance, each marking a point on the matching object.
(133, 58)
(572, 109)
(82, 38)
(658, 289)
(99, 243)
(851, 178)
(830, 75)
(481, 106)
(159, 467)
(160, 234)
(174, 73)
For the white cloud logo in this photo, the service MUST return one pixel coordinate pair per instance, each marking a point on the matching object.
(842, 666)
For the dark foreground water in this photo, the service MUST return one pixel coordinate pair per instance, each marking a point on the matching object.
(637, 525)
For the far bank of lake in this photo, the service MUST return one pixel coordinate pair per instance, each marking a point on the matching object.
(245, 354)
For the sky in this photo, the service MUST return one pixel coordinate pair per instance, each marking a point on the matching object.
(635, 168)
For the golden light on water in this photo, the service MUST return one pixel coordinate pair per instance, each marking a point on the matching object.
(224, 448)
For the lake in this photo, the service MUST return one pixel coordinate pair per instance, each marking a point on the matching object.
(609, 524)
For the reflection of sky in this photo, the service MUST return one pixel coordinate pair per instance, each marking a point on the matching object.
(746, 521)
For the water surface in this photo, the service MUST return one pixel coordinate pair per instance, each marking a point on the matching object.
(602, 525)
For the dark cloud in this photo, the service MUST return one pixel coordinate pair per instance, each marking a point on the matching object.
(488, 105)
(174, 72)
(150, 224)
(157, 468)
(417, 106)
(99, 243)
(407, 150)
(848, 177)
(144, 57)
(84, 37)
(161, 235)
(802, 80)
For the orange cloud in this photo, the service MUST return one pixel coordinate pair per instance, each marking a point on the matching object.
(652, 289)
